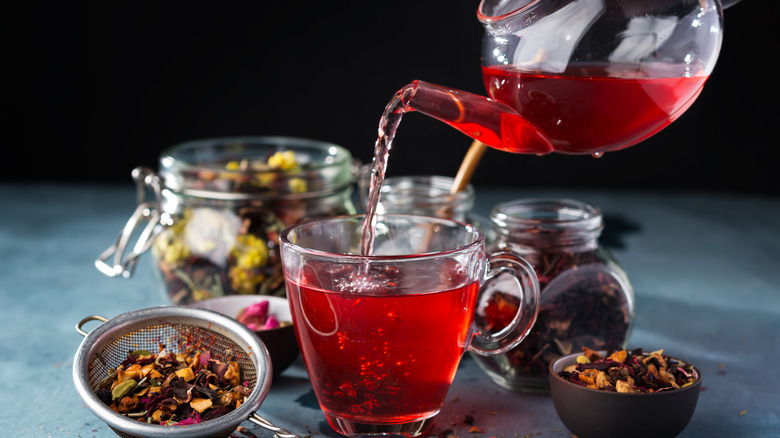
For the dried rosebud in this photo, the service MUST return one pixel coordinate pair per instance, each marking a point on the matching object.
(271, 323)
(255, 315)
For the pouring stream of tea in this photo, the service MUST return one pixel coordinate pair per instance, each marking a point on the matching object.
(505, 130)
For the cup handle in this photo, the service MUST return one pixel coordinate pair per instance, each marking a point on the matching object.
(502, 266)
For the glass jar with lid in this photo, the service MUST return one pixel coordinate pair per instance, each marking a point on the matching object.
(218, 206)
(586, 297)
(427, 195)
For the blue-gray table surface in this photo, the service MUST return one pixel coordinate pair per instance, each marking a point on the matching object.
(705, 268)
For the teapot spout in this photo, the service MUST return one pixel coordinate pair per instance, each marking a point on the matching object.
(489, 121)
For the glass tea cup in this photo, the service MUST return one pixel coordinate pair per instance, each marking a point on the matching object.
(382, 335)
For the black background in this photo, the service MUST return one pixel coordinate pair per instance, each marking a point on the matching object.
(92, 90)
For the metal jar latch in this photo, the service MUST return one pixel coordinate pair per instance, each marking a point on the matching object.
(116, 260)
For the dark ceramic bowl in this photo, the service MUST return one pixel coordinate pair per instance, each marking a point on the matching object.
(590, 412)
(281, 342)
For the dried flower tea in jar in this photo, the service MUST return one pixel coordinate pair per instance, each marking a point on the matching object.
(220, 206)
(586, 298)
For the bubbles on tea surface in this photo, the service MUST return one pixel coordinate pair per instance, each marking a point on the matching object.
(359, 282)
(381, 279)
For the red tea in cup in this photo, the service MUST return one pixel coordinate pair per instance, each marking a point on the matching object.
(382, 335)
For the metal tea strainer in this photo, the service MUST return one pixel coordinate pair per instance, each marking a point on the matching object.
(175, 328)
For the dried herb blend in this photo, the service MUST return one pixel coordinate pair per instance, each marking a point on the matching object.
(629, 371)
(222, 218)
(588, 307)
(173, 388)
(586, 298)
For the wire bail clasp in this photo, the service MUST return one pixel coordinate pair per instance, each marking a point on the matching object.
(148, 212)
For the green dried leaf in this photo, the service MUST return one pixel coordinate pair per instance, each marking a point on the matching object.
(123, 389)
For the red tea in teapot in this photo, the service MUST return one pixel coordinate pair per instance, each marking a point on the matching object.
(591, 108)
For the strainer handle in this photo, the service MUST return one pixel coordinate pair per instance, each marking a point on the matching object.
(278, 431)
(86, 320)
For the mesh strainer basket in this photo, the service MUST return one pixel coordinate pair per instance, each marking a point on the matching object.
(175, 327)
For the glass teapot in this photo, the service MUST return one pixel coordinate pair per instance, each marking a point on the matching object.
(578, 76)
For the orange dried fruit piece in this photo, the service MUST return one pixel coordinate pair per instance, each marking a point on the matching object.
(602, 380)
(623, 386)
(592, 355)
(132, 372)
(570, 369)
(658, 355)
(186, 374)
(233, 374)
(619, 356)
(127, 404)
(668, 378)
(149, 371)
(201, 404)
(589, 376)
(654, 371)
